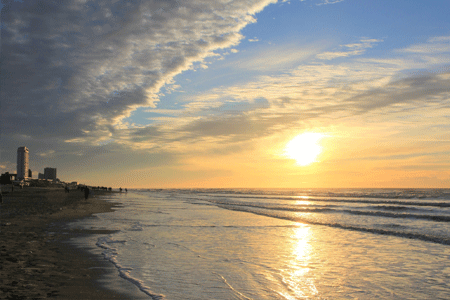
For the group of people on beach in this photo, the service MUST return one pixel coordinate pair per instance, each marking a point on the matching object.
(85, 189)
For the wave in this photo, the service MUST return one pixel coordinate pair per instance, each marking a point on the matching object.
(435, 218)
(336, 209)
(110, 254)
(405, 202)
(404, 234)
(406, 194)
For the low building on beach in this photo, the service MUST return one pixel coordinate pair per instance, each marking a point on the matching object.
(50, 173)
(7, 178)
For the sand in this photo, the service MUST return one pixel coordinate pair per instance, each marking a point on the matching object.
(36, 261)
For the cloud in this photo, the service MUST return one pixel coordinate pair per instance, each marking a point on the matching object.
(326, 2)
(268, 58)
(435, 45)
(350, 49)
(319, 93)
(46, 153)
(421, 89)
(72, 70)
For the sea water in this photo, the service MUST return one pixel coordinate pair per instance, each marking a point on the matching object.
(278, 244)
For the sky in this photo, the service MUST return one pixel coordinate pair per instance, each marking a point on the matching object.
(210, 94)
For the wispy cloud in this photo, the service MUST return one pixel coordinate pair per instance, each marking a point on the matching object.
(46, 153)
(326, 2)
(434, 45)
(268, 58)
(350, 49)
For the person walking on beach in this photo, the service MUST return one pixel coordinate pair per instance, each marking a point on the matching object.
(86, 193)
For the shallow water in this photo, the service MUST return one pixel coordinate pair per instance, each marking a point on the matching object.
(279, 244)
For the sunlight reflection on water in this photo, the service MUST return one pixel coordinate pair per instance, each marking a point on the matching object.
(295, 275)
(302, 202)
(302, 283)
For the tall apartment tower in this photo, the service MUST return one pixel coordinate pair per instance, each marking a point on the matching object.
(22, 163)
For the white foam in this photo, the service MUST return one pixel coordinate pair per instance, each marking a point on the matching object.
(110, 253)
(136, 227)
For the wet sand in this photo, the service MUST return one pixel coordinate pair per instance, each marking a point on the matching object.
(36, 262)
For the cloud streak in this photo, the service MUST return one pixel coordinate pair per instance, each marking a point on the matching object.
(350, 49)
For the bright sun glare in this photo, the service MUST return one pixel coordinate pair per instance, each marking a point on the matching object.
(304, 148)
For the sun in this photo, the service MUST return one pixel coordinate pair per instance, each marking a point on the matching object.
(304, 148)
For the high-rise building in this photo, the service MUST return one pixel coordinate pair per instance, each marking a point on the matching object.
(50, 173)
(22, 163)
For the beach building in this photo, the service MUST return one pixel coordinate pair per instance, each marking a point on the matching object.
(6, 178)
(50, 173)
(22, 163)
(41, 176)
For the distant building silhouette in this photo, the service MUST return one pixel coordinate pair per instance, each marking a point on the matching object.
(22, 163)
(6, 178)
(30, 174)
(41, 176)
(50, 173)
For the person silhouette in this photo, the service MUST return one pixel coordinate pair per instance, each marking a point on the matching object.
(86, 193)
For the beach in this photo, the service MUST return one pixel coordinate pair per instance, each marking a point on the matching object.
(36, 260)
(226, 244)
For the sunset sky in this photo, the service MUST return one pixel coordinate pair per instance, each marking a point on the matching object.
(186, 94)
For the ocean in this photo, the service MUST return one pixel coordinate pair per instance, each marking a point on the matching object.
(276, 243)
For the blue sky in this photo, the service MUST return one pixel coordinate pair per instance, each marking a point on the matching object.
(208, 94)
(288, 27)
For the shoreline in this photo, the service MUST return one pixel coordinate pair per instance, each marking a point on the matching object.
(37, 260)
